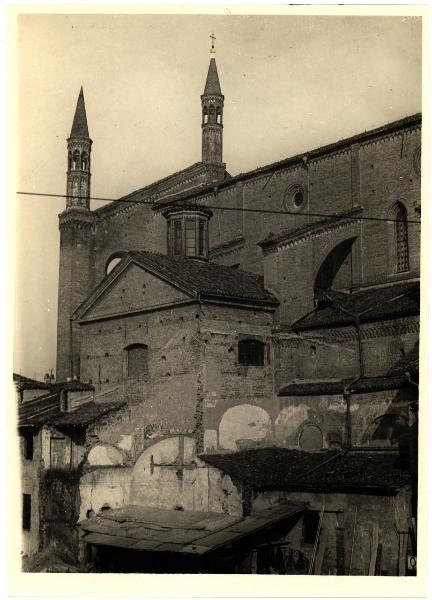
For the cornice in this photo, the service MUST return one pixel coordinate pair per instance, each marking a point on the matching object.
(76, 218)
(229, 247)
(274, 243)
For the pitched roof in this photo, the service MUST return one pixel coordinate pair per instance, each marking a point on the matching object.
(39, 411)
(79, 125)
(46, 411)
(397, 300)
(199, 279)
(285, 469)
(409, 122)
(27, 383)
(366, 384)
(181, 531)
(212, 85)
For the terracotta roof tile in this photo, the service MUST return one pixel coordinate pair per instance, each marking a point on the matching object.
(398, 300)
(285, 469)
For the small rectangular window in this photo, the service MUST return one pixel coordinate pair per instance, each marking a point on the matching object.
(251, 352)
(28, 446)
(26, 514)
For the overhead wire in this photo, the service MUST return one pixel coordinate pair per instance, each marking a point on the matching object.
(225, 208)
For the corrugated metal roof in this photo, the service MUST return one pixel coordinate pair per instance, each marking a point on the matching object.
(187, 532)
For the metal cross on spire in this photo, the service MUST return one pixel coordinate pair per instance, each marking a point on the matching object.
(213, 38)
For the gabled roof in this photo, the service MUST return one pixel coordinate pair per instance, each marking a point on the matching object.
(212, 85)
(407, 123)
(79, 125)
(397, 300)
(198, 279)
(330, 470)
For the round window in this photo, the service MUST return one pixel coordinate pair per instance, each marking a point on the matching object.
(294, 197)
(298, 198)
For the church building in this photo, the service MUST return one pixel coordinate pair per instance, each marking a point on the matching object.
(250, 343)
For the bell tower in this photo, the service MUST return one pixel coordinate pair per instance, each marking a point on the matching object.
(212, 102)
(77, 225)
(79, 149)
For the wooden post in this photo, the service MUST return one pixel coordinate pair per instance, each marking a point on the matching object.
(374, 549)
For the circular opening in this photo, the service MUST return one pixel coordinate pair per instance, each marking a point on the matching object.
(298, 198)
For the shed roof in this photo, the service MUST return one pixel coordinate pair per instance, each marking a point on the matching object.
(46, 411)
(397, 300)
(329, 387)
(368, 471)
(186, 532)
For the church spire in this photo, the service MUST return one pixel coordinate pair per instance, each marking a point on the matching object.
(79, 125)
(212, 102)
(79, 149)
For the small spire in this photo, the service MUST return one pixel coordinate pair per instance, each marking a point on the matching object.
(79, 125)
(212, 85)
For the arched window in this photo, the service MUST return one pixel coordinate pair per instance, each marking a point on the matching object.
(136, 361)
(113, 261)
(251, 352)
(205, 115)
(84, 161)
(311, 438)
(75, 159)
(401, 239)
(219, 114)
(69, 161)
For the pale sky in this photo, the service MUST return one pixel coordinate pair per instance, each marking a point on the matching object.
(291, 84)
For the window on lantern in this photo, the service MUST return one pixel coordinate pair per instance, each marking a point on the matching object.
(201, 242)
(251, 352)
(178, 242)
(401, 239)
(205, 115)
(219, 115)
(190, 237)
(69, 161)
(137, 361)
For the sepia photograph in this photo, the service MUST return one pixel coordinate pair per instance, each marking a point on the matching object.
(217, 293)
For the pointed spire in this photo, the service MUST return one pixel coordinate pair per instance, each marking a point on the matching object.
(212, 85)
(79, 125)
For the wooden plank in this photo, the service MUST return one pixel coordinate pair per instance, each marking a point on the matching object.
(374, 549)
(320, 553)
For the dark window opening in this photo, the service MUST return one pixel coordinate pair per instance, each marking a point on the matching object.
(201, 233)
(28, 446)
(177, 238)
(251, 352)
(298, 199)
(401, 235)
(26, 514)
(310, 526)
(75, 160)
(137, 361)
